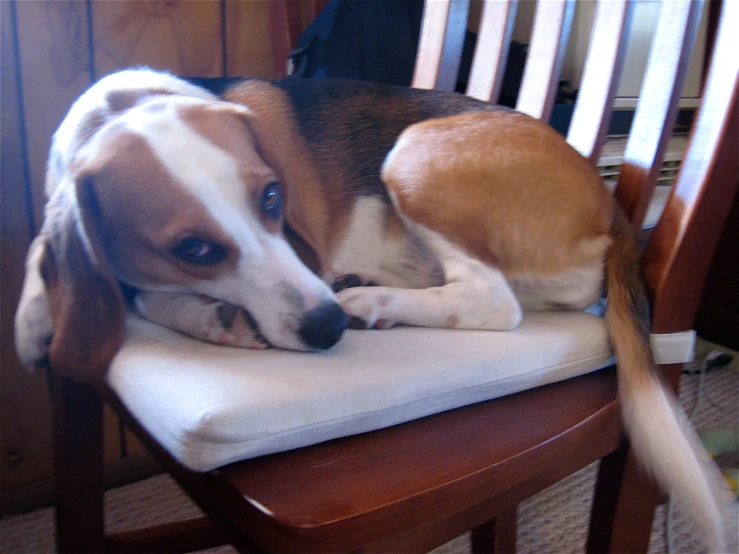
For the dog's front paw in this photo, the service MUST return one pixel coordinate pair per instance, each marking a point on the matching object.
(202, 317)
(234, 326)
(367, 308)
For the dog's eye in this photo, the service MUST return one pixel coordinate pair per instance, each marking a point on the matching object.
(200, 252)
(272, 200)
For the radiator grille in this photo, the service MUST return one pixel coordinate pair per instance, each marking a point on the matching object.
(612, 158)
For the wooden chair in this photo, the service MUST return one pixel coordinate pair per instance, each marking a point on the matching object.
(417, 485)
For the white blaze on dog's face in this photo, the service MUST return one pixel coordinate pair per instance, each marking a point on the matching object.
(186, 204)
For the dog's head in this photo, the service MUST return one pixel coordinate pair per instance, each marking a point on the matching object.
(174, 193)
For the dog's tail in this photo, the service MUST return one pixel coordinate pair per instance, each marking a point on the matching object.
(660, 433)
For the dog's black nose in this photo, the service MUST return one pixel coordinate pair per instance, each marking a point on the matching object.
(323, 326)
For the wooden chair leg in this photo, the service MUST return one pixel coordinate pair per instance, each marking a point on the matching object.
(78, 465)
(623, 506)
(496, 536)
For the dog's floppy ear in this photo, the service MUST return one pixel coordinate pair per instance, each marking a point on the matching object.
(85, 302)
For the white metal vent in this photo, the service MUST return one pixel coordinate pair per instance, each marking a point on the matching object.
(612, 158)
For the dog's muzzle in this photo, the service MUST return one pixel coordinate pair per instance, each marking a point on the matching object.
(323, 326)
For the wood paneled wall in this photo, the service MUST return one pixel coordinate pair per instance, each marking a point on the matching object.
(24, 418)
(52, 50)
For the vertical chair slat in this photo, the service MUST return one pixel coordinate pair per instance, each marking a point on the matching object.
(491, 52)
(657, 109)
(546, 55)
(285, 22)
(683, 243)
(600, 77)
(431, 43)
(441, 43)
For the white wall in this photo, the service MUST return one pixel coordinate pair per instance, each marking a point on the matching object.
(643, 24)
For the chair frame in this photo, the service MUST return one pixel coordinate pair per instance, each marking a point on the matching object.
(416, 506)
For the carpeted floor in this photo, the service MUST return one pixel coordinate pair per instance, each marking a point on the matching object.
(553, 521)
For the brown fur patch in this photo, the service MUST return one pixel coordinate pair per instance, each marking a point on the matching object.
(144, 212)
(120, 100)
(310, 208)
(505, 187)
(89, 125)
(117, 102)
(330, 138)
(227, 127)
(451, 321)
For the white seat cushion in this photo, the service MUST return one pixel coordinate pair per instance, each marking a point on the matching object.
(211, 405)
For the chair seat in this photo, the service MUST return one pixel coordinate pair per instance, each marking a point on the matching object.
(210, 405)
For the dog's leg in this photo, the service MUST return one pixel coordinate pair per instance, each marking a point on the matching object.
(201, 317)
(475, 296)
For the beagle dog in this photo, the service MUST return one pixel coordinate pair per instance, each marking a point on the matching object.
(260, 218)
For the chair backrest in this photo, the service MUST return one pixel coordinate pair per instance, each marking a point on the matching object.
(679, 254)
(678, 257)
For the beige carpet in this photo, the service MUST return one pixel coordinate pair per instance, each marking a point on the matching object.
(554, 521)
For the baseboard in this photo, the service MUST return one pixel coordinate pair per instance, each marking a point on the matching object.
(40, 494)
